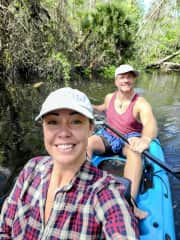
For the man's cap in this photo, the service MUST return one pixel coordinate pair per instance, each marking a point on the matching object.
(125, 68)
(67, 98)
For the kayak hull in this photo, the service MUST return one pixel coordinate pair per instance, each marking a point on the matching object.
(156, 200)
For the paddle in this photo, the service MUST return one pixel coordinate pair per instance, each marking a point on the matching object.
(174, 172)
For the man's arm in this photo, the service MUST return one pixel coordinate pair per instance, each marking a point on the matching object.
(103, 107)
(99, 108)
(148, 120)
(150, 129)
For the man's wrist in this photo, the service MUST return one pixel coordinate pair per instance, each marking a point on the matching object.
(149, 139)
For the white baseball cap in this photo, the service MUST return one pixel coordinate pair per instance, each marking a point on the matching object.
(125, 68)
(67, 98)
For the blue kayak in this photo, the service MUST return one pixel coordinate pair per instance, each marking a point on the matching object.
(154, 195)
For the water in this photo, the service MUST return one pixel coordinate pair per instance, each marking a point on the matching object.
(21, 139)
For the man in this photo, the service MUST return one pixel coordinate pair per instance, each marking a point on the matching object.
(131, 115)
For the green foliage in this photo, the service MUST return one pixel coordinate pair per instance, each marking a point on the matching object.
(49, 3)
(160, 34)
(24, 36)
(60, 64)
(35, 32)
(110, 33)
(86, 72)
(108, 72)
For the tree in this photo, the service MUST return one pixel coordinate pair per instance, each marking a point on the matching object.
(108, 35)
(159, 31)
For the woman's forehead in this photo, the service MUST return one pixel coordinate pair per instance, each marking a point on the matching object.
(60, 112)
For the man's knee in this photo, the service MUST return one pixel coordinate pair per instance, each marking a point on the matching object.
(91, 142)
(130, 154)
(95, 144)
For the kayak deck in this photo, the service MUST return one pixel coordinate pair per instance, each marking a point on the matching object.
(156, 199)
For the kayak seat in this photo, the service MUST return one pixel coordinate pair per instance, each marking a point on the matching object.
(116, 168)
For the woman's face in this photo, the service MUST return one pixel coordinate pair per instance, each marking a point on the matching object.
(66, 135)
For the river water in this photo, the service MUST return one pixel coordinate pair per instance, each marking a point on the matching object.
(162, 90)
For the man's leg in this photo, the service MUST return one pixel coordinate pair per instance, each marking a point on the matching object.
(133, 171)
(95, 144)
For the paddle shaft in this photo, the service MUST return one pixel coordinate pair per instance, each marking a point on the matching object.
(146, 153)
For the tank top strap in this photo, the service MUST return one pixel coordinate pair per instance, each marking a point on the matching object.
(132, 103)
(111, 104)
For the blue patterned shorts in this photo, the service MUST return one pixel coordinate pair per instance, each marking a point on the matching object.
(115, 144)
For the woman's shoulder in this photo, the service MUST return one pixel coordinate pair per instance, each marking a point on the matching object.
(35, 164)
(38, 161)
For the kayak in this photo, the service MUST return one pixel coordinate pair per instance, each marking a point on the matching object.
(154, 194)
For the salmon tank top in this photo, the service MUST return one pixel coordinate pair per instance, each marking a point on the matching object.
(125, 122)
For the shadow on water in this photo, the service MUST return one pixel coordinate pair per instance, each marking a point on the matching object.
(19, 142)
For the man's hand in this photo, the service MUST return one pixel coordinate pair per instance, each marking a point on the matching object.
(139, 144)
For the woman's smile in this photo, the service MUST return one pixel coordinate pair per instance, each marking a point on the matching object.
(65, 147)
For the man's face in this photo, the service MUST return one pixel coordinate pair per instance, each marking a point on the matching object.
(125, 82)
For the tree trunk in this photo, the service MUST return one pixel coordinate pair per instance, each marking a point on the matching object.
(161, 61)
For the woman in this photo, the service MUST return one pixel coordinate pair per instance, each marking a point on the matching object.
(62, 196)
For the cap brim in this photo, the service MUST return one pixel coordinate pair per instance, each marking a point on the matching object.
(136, 73)
(85, 112)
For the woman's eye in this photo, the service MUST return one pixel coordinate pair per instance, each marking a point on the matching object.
(52, 122)
(76, 122)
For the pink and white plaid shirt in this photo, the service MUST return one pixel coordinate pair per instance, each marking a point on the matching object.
(91, 207)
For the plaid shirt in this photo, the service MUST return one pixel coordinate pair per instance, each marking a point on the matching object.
(92, 206)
